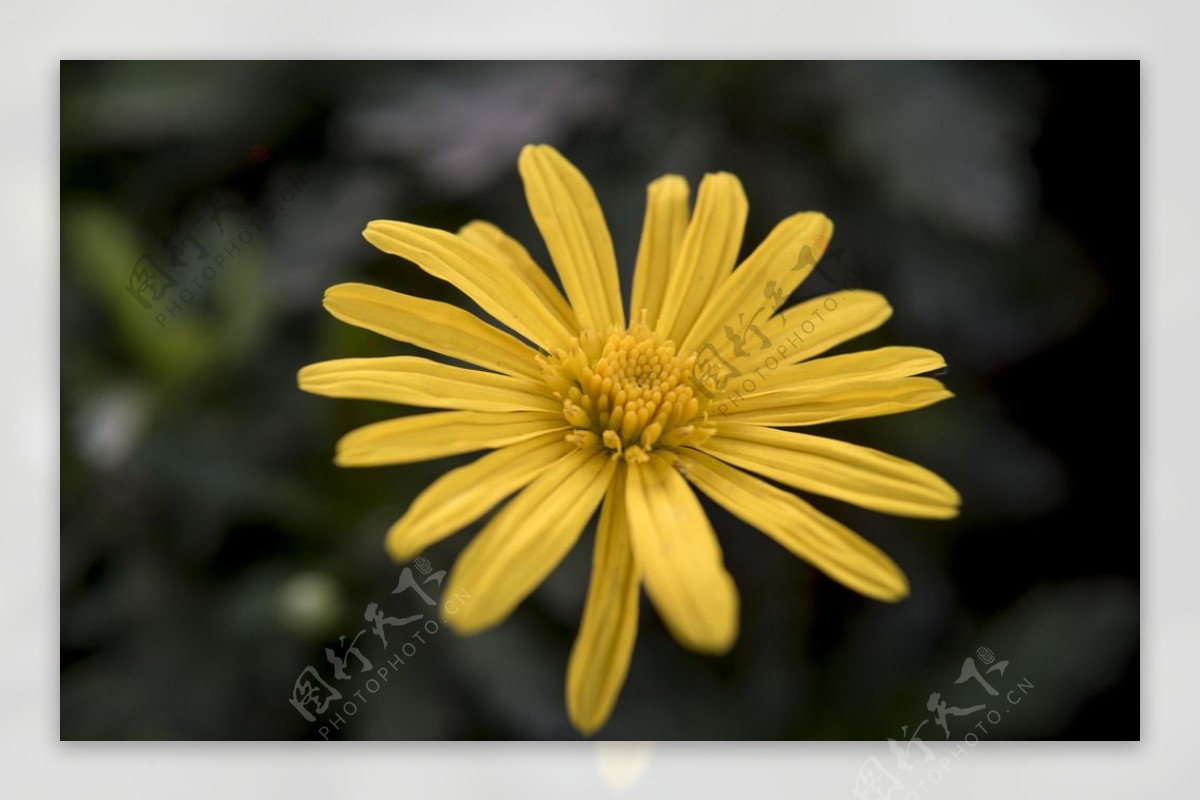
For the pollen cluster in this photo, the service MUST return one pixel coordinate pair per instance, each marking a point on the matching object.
(629, 391)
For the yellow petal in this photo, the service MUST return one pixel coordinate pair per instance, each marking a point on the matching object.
(662, 235)
(569, 216)
(488, 237)
(818, 376)
(813, 326)
(600, 657)
(430, 436)
(851, 473)
(526, 540)
(866, 399)
(432, 325)
(422, 382)
(680, 559)
(479, 274)
(465, 494)
(800, 332)
(823, 542)
(780, 263)
(708, 254)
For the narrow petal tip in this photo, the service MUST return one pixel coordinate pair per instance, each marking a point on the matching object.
(717, 634)
(466, 618)
(396, 544)
(898, 591)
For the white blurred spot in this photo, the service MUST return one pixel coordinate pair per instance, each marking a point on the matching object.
(108, 426)
(309, 603)
(621, 764)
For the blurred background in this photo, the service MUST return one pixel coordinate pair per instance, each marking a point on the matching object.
(213, 558)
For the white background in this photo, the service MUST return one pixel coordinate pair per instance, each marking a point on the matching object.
(34, 36)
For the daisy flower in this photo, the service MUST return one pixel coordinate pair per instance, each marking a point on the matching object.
(584, 405)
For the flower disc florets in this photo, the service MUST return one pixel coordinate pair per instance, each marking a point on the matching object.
(629, 391)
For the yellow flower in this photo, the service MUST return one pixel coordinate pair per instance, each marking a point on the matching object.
(621, 414)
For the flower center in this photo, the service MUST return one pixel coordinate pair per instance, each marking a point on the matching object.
(629, 391)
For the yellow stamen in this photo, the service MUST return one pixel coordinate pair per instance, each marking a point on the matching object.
(630, 391)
